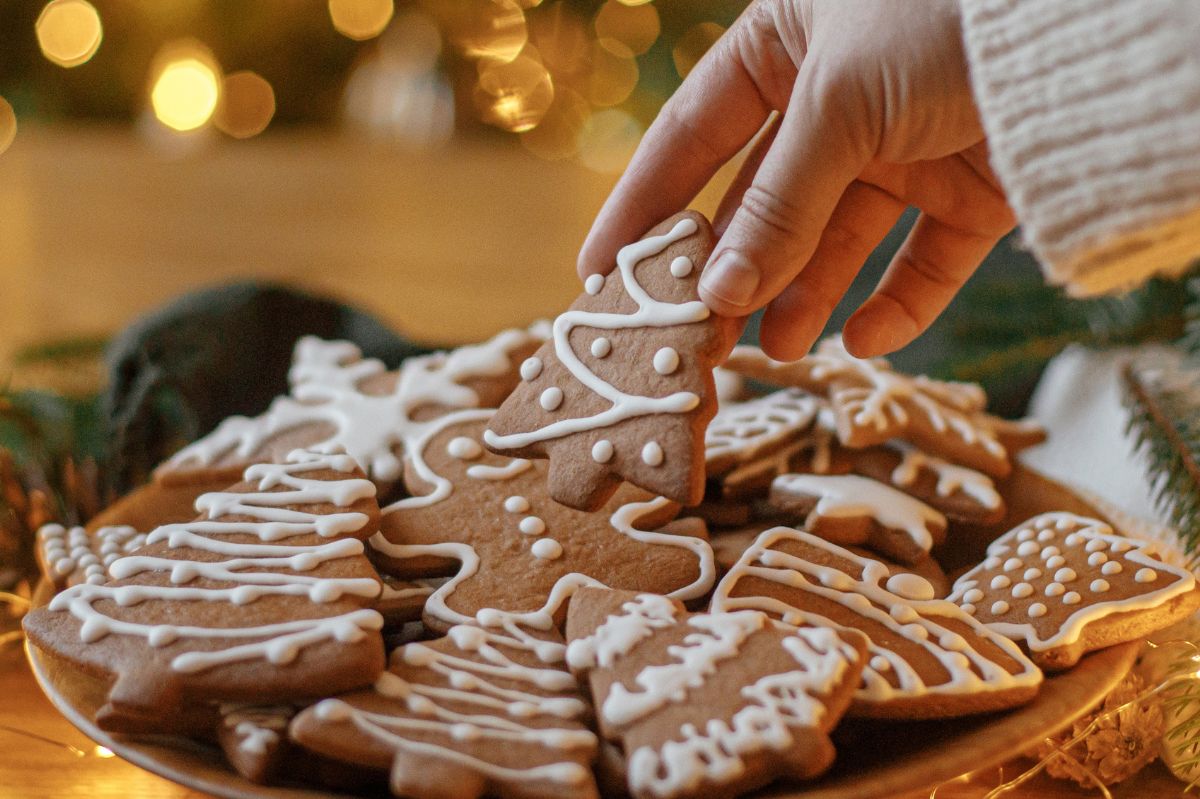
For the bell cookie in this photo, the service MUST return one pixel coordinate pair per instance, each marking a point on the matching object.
(264, 598)
(849, 509)
(927, 658)
(709, 704)
(340, 401)
(1062, 585)
(480, 712)
(512, 552)
(625, 389)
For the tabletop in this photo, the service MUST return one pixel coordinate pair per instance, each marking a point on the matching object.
(95, 228)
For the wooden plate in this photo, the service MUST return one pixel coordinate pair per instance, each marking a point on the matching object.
(875, 759)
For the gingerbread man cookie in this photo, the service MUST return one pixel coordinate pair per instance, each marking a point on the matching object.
(709, 704)
(625, 389)
(515, 553)
(479, 712)
(263, 598)
(340, 401)
(1063, 585)
(927, 658)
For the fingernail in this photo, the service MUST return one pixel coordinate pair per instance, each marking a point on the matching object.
(731, 278)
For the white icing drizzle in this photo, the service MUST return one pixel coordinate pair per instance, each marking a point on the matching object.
(325, 390)
(911, 586)
(483, 471)
(1086, 540)
(745, 429)
(601, 347)
(666, 361)
(652, 454)
(257, 727)
(603, 451)
(650, 313)
(951, 478)
(255, 568)
(65, 552)
(477, 674)
(620, 632)
(849, 495)
(917, 622)
(464, 448)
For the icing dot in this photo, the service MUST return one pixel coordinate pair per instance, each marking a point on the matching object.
(1056, 562)
(952, 642)
(911, 586)
(551, 398)
(1072, 598)
(464, 448)
(601, 347)
(1000, 581)
(1073, 539)
(1145, 576)
(1099, 586)
(1112, 567)
(1045, 535)
(531, 368)
(1028, 548)
(1032, 574)
(1065, 575)
(992, 563)
(1096, 544)
(1037, 610)
(546, 549)
(901, 613)
(602, 451)
(1013, 563)
(466, 732)
(1120, 546)
(974, 595)
(532, 525)
(652, 454)
(666, 361)
(1050, 552)
(593, 284)
(681, 266)
(516, 504)
(999, 608)
(1055, 589)
(1025, 534)
(1022, 590)
(968, 609)
(1096, 558)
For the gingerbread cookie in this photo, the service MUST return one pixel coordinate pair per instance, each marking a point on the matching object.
(848, 509)
(72, 556)
(479, 712)
(927, 657)
(624, 390)
(709, 703)
(264, 598)
(742, 432)
(514, 553)
(254, 739)
(341, 401)
(1063, 585)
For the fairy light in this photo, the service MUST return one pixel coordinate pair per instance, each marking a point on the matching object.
(186, 88)
(556, 137)
(608, 139)
(69, 32)
(247, 105)
(614, 73)
(636, 27)
(494, 30)
(514, 95)
(692, 46)
(361, 19)
(8, 125)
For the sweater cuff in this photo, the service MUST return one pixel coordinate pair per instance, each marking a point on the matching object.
(1092, 113)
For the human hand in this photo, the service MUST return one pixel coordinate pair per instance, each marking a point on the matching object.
(877, 115)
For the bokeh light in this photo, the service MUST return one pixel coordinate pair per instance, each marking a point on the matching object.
(486, 29)
(247, 105)
(561, 35)
(8, 125)
(514, 95)
(556, 137)
(634, 2)
(693, 45)
(69, 32)
(614, 73)
(361, 19)
(608, 140)
(186, 87)
(636, 27)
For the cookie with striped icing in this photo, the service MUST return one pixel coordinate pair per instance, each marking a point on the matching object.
(480, 712)
(709, 704)
(927, 658)
(1063, 585)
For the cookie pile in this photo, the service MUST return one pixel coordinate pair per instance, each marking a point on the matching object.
(582, 559)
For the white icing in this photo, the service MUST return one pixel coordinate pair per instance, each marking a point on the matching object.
(593, 284)
(258, 570)
(551, 398)
(531, 368)
(650, 313)
(602, 451)
(842, 496)
(681, 266)
(620, 632)
(666, 361)
(516, 504)
(911, 586)
(1022, 591)
(1037, 610)
(1099, 586)
(601, 347)
(76, 552)
(951, 478)
(1145, 576)
(1071, 598)
(1001, 581)
(1110, 568)
(531, 525)
(1000, 607)
(483, 471)
(744, 429)
(652, 454)
(546, 549)
(464, 448)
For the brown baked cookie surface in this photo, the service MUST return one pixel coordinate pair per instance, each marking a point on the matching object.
(927, 658)
(264, 598)
(709, 704)
(1063, 585)
(625, 389)
(254, 739)
(480, 712)
(514, 554)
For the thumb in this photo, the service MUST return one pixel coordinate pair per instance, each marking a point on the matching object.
(817, 153)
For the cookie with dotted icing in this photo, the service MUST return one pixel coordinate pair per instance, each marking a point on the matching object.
(480, 712)
(1063, 585)
(927, 658)
(624, 389)
(69, 556)
(709, 704)
(850, 509)
(340, 401)
(511, 551)
(872, 403)
(264, 597)
(254, 739)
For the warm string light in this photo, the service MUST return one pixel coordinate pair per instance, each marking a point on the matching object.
(247, 105)
(186, 86)
(69, 32)
(361, 19)
(8, 125)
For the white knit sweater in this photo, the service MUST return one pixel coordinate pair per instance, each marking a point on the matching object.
(1092, 112)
